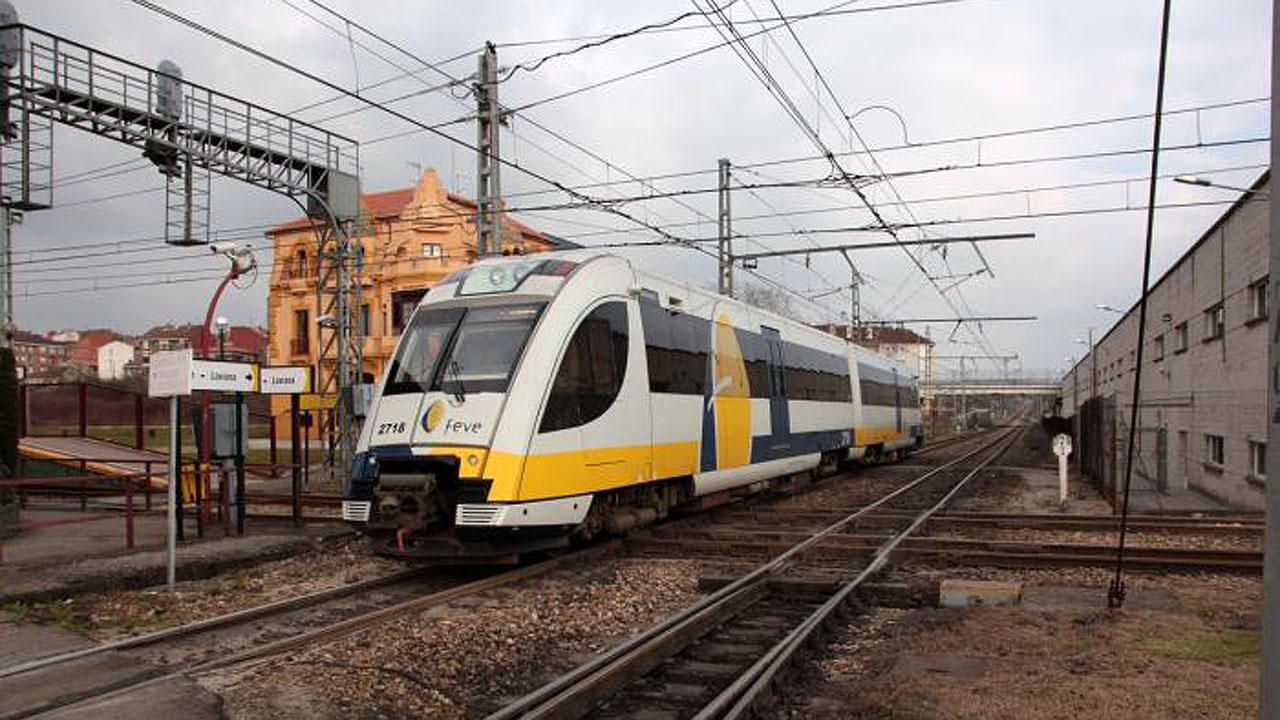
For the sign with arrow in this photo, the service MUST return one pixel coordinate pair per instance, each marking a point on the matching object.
(224, 376)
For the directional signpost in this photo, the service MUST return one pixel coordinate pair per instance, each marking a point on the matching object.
(173, 374)
(294, 381)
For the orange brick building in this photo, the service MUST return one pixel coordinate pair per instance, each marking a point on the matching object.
(412, 238)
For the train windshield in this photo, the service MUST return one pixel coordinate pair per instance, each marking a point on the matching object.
(461, 350)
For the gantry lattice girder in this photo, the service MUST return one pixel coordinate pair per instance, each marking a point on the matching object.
(107, 95)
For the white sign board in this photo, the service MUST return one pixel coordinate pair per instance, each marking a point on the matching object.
(169, 373)
(1062, 445)
(286, 380)
(224, 376)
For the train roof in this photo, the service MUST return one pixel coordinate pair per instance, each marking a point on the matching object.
(582, 256)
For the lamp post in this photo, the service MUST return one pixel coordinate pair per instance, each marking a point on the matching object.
(1202, 181)
(1107, 308)
(221, 324)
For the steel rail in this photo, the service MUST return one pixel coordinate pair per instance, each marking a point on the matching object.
(578, 690)
(256, 612)
(333, 631)
(736, 700)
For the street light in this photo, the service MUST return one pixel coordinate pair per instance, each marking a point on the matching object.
(1108, 308)
(1202, 181)
(221, 324)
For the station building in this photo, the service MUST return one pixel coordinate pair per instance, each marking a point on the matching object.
(411, 239)
(1202, 411)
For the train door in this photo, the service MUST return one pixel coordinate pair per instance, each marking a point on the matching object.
(594, 432)
(779, 416)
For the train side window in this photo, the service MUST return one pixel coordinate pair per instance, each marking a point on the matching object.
(591, 372)
(657, 344)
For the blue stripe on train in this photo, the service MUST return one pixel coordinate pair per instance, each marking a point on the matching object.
(771, 447)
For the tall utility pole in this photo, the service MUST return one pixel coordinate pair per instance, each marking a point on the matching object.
(1269, 704)
(725, 234)
(489, 192)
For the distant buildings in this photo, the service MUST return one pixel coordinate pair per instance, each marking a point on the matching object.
(105, 354)
(38, 356)
(113, 359)
(897, 343)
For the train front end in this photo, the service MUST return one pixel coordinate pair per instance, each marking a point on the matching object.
(423, 450)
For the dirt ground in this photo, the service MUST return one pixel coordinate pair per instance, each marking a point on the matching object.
(1195, 658)
(1184, 645)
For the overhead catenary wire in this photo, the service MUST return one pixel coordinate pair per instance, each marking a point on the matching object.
(761, 72)
(558, 136)
(247, 232)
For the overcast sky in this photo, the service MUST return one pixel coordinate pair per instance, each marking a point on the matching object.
(948, 70)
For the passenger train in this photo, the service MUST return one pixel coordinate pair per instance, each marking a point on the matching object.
(533, 400)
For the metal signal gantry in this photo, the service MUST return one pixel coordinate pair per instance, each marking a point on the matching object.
(190, 132)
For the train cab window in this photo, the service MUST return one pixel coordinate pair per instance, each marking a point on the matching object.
(591, 372)
(414, 367)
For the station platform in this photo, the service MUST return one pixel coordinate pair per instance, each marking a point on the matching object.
(97, 456)
(54, 561)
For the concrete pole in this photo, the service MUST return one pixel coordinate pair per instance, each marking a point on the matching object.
(1269, 682)
(174, 461)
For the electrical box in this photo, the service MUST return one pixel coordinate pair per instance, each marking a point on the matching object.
(224, 430)
(361, 399)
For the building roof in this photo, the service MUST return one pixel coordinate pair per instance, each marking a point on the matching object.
(29, 338)
(391, 203)
(877, 335)
(85, 349)
(244, 338)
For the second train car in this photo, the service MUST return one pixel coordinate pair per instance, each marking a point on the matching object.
(536, 399)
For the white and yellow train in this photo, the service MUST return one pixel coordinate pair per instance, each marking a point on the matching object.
(534, 399)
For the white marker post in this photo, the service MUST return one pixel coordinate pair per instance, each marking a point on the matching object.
(169, 375)
(1062, 448)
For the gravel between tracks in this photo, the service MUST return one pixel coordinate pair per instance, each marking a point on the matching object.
(116, 613)
(1135, 539)
(1197, 657)
(467, 657)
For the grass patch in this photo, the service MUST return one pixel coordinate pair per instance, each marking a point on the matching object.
(1232, 648)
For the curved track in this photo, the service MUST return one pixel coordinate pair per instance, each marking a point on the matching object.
(716, 657)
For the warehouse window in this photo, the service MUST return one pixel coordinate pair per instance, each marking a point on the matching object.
(432, 250)
(1215, 322)
(591, 371)
(1214, 453)
(1180, 338)
(1258, 300)
(1159, 350)
(1258, 459)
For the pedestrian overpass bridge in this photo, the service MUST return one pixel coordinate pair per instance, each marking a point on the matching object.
(992, 386)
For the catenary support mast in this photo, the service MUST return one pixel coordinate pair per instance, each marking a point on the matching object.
(488, 169)
(724, 248)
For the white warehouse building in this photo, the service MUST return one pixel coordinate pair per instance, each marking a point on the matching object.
(1202, 414)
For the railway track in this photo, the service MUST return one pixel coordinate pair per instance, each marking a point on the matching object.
(716, 657)
(112, 669)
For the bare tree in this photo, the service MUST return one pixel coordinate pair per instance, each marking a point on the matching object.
(766, 298)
